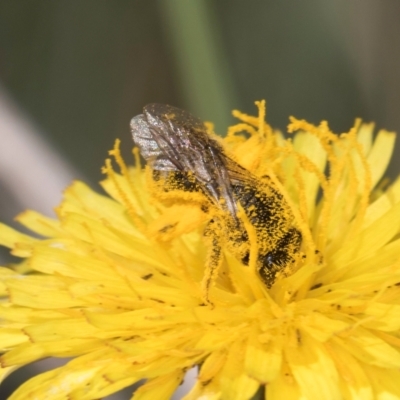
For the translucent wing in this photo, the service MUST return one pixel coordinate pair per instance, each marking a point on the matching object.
(171, 139)
(150, 150)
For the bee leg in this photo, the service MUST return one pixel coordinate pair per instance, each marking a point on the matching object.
(279, 258)
(214, 258)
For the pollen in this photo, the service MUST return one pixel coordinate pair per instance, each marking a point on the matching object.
(284, 282)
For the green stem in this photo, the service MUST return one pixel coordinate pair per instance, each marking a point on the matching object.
(194, 38)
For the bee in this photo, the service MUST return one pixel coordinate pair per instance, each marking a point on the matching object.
(183, 156)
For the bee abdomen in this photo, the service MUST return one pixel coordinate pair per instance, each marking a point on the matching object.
(282, 255)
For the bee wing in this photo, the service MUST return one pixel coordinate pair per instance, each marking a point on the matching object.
(171, 139)
(150, 149)
(238, 174)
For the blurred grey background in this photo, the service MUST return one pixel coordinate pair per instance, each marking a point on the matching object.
(73, 73)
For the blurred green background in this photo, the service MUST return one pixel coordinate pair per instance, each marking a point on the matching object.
(80, 70)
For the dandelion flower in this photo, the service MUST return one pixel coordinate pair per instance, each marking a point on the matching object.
(115, 282)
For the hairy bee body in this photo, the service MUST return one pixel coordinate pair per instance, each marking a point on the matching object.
(271, 219)
(183, 156)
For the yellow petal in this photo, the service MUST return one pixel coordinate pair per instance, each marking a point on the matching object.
(380, 154)
(313, 369)
(5, 371)
(61, 330)
(54, 384)
(309, 146)
(386, 257)
(383, 204)
(40, 292)
(10, 337)
(29, 352)
(235, 383)
(160, 388)
(39, 223)
(262, 362)
(212, 366)
(207, 391)
(370, 349)
(10, 237)
(321, 327)
(365, 135)
(375, 236)
(284, 387)
(385, 382)
(79, 198)
(386, 317)
(354, 382)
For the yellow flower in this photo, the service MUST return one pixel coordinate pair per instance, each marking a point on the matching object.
(116, 282)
